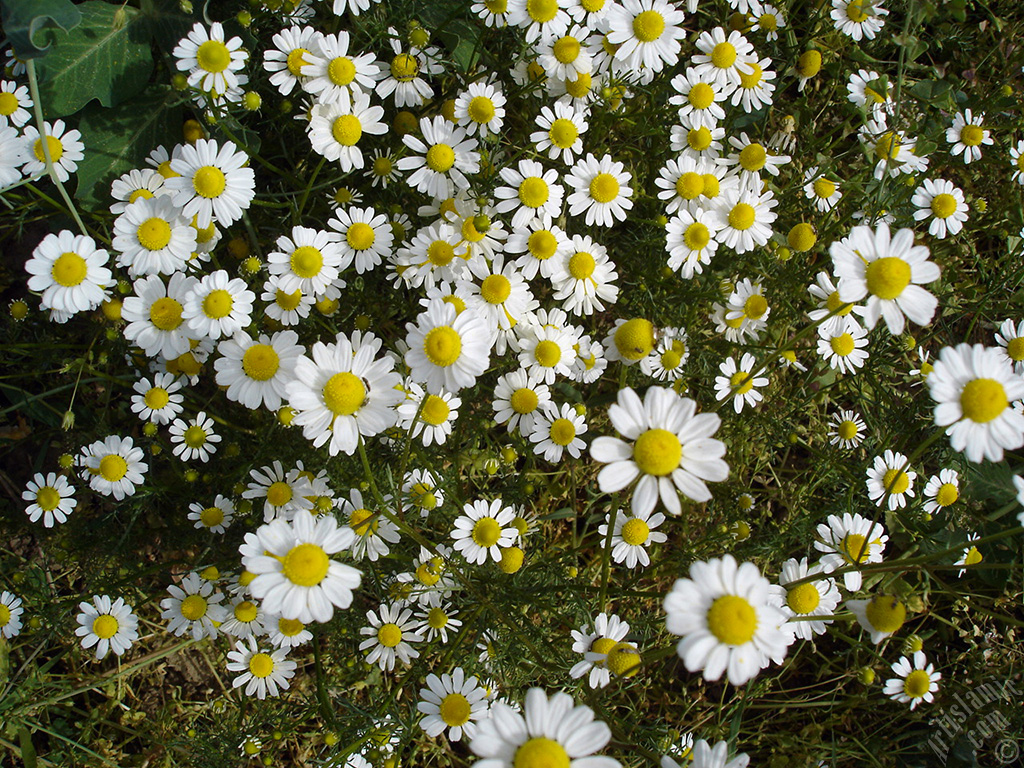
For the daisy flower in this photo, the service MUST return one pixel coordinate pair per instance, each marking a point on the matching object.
(973, 387)
(453, 702)
(484, 529)
(690, 183)
(671, 450)
(292, 51)
(769, 21)
(632, 534)
(215, 518)
(442, 159)
(822, 190)
(701, 143)
(752, 157)
(889, 272)
(867, 88)
(846, 429)
(382, 171)
(212, 64)
(193, 608)
(113, 466)
(971, 555)
(889, 481)
(601, 187)
(520, 397)
(295, 575)
(194, 439)
(64, 146)
(531, 192)
(748, 306)
(70, 271)
(556, 430)
(332, 73)
(666, 361)
(402, 77)
(582, 276)
(967, 136)
(546, 352)
(155, 321)
(893, 149)
(568, 56)
(389, 636)
(542, 19)
(914, 682)
(1010, 338)
(609, 630)
(538, 242)
(881, 616)
(422, 490)
(850, 540)
(690, 240)
(1017, 161)
(447, 350)
(15, 103)
(561, 131)
(723, 58)
(480, 109)
(309, 260)
(263, 673)
(755, 87)
(941, 491)
(743, 218)
(256, 372)
(705, 755)
(550, 731)
(153, 237)
(344, 392)
(284, 493)
(498, 294)
(52, 498)
(217, 306)
(286, 633)
(817, 598)
(726, 621)
(832, 315)
(108, 625)
(738, 381)
(13, 153)
(648, 33)
(944, 203)
(859, 19)
(699, 99)
(286, 307)
(430, 417)
(336, 128)
(10, 615)
(845, 350)
(430, 257)
(436, 617)
(213, 181)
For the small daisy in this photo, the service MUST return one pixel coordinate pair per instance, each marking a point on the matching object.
(727, 623)
(973, 387)
(382, 171)
(914, 682)
(286, 307)
(447, 350)
(701, 143)
(601, 187)
(583, 276)
(194, 439)
(699, 99)
(944, 203)
(430, 257)
(752, 157)
(666, 361)
(519, 398)
(546, 352)
(822, 190)
(1017, 161)
(647, 33)
(442, 159)
(609, 630)
(256, 372)
(373, 529)
(755, 88)
(846, 429)
(213, 182)
(15, 103)
(557, 430)
(671, 450)
(845, 351)
(336, 128)
(70, 271)
(942, 491)
(889, 480)
(212, 64)
(402, 77)
(480, 109)
(690, 240)
(723, 57)
(218, 306)
(284, 493)
(747, 308)
(108, 625)
(332, 73)
(769, 21)
(292, 50)
(64, 146)
(365, 237)
(537, 242)
(263, 673)
(429, 417)
(1010, 338)
(561, 130)
(436, 617)
(542, 19)
(967, 136)
(531, 192)
(390, 636)
(193, 608)
(52, 497)
(423, 491)
(850, 540)
(215, 518)
(859, 19)
(286, 633)
(10, 615)
(114, 466)
(817, 598)
(832, 315)
(484, 529)
(632, 535)
(867, 88)
(453, 702)
(738, 381)
(743, 218)
(13, 153)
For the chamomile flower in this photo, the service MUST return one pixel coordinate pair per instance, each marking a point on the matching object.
(108, 625)
(973, 387)
(727, 623)
(632, 534)
(256, 372)
(892, 149)
(850, 540)
(193, 608)
(648, 33)
(333, 73)
(263, 673)
(390, 635)
(557, 430)
(453, 702)
(562, 126)
(832, 314)
(382, 171)
(743, 218)
(194, 439)
(700, 143)
(284, 493)
(865, 89)
(822, 190)
(15, 103)
(770, 20)
(859, 19)
(152, 237)
(739, 381)
(748, 307)
(846, 429)
(691, 241)
(365, 237)
(422, 490)
(537, 242)
(916, 681)
(64, 146)
(944, 203)
(723, 58)
(967, 136)
(548, 732)
(567, 56)
(217, 306)
(373, 529)
(441, 159)
(10, 615)
(670, 449)
(429, 417)
(890, 480)
(114, 466)
(1017, 161)
(519, 398)
(447, 349)
(601, 187)
(752, 157)
(531, 192)
(545, 352)
(286, 633)
(817, 598)
(402, 77)
(594, 644)
(336, 128)
(667, 359)
(213, 65)
(845, 349)
(971, 555)
(941, 491)
(542, 19)
(494, 13)
(70, 271)
(215, 518)
(13, 151)
(755, 87)
(292, 50)
(583, 276)
(889, 272)
(52, 498)
(430, 257)
(295, 575)
(480, 109)
(213, 182)
(286, 307)
(484, 529)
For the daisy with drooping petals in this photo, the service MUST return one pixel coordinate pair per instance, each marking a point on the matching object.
(114, 466)
(484, 529)
(213, 182)
(859, 19)
(805, 601)
(602, 190)
(52, 497)
(193, 608)
(263, 673)
(690, 240)
(373, 529)
(550, 731)
(738, 381)
(152, 237)
(944, 203)
(672, 450)
(481, 109)
(295, 575)
(850, 540)
(64, 146)
(217, 306)
(108, 625)
(442, 158)
(562, 127)
(194, 439)
(390, 635)
(70, 271)
(846, 429)
(889, 272)
(727, 623)
(257, 371)
(632, 534)
(915, 681)
(452, 702)
(973, 387)
(608, 631)
(447, 349)
(212, 64)
(889, 480)
(10, 615)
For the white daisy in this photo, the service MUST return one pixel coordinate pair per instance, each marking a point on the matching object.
(430, 257)
(215, 518)
(480, 109)
(944, 203)
(807, 601)
(453, 702)
(705, 755)
(442, 159)
(699, 99)
(632, 534)
(602, 189)
(738, 381)
(332, 73)
(10, 615)
(822, 190)
(213, 65)
(108, 625)
(832, 315)
(557, 430)
(561, 130)
(263, 673)
(691, 241)
(64, 146)
(531, 192)
(217, 306)
(402, 77)
(193, 608)
(422, 490)
(859, 19)
(286, 307)
(1010, 338)
(609, 630)
(389, 636)
(743, 218)
(292, 50)
(13, 153)
(701, 143)
(850, 540)
(373, 529)
(70, 271)
(213, 182)
(52, 498)
(194, 439)
(152, 237)
(755, 87)
(666, 361)
(154, 315)
(286, 633)
(583, 276)
(723, 57)
(648, 33)
(365, 237)
(484, 529)
(113, 466)
(429, 417)
(845, 349)
(284, 493)
(336, 128)
(15, 103)
(519, 398)
(542, 19)
(967, 136)
(256, 372)
(447, 350)
(915, 681)
(890, 481)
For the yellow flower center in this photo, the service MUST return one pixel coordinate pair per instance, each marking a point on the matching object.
(428, 574)
(542, 11)
(211, 516)
(690, 185)
(495, 289)
(581, 265)
(261, 665)
(290, 627)
(213, 56)
(670, 359)
(888, 146)
(701, 96)
(803, 599)
(209, 182)
(104, 626)
(602, 645)
(305, 565)
(854, 547)
(563, 432)
(885, 613)
(113, 468)
(540, 752)
(592, 6)
(563, 133)
(195, 436)
(648, 26)
(481, 109)
(755, 306)
(753, 157)
(809, 63)
(842, 345)
(486, 532)
(824, 188)
(154, 234)
(732, 620)
(723, 55)
(742, 216)
(382, 166)
(833, 303)
(635, 532)
(288, 301)
(442, 345)
(579, 87)
(437, 618)
(982, 400)
(347, 130)
(711, 185)
(634, 339)
(341, 70)
(440, 158)
(260, 362)
(947, 494)
(5, 615)
(1015, 349)
(455, 709)
(768, 22)
(363, 521)
(279, 493)
(525, 400)
(440, 253)
(404, 67)
(752, 79)
(623, 660)
(741, 382)
(69, 270)
(344, 394)
(696, 236)
(855, 12)
(8, 103)
(533, 192)
(604, 188)
(218, 303)
(895, 481)
(542, 244)
(48, 498)
(145, 194)
(55, 147)
(657, 452)
(246, 611)
(917, 684)
(296, 61)
(435, 410)
(193, 607)
(547, 353)
(943, 205)
(887, 277)
(360, 236)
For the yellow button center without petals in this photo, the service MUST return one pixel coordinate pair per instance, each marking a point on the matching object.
(104, 626)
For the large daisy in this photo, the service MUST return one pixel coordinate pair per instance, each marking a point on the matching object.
(213, 181)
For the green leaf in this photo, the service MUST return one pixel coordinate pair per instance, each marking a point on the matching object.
(932, 91)
(106, 57)
(119, 139)
(22, 19)
(167, 22)
(28, 752)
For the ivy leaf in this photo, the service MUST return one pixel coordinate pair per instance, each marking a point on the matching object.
(22, 19)
(106, 57)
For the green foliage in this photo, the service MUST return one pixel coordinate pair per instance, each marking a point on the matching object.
(24, 20)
